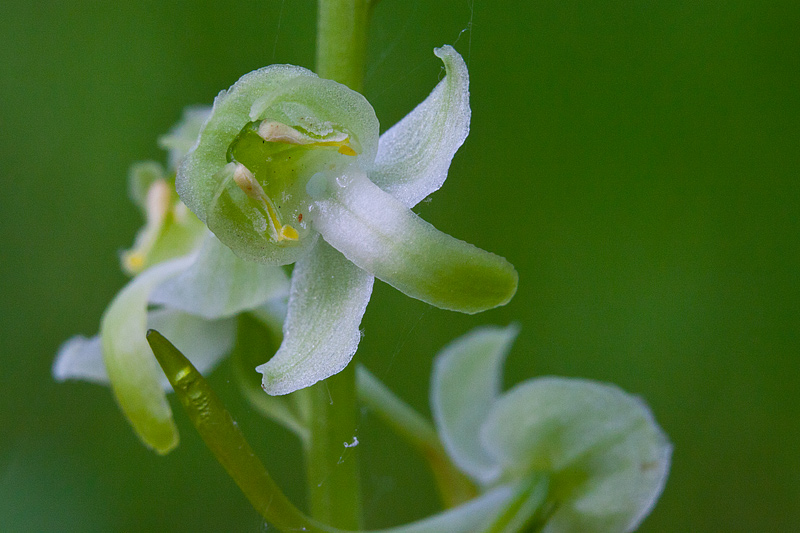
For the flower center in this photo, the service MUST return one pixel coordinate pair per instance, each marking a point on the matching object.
(273, 162)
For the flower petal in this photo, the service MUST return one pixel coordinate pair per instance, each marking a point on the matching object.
(205, 342)
(80, 358)
(606, 456)
(465, 383)
(171, 230)
(134, 373)
(220, 284)
(384, 237)
(328, 298)
(415, 154)
(478, 514)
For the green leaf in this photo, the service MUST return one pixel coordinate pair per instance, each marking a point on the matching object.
(606, 457)
(467, 377)
(384, 237)
(415, 154)
(220, 284)
(326, 303)
(134, 374)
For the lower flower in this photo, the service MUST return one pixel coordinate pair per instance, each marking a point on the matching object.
(584, 456)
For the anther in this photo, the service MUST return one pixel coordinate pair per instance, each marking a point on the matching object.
(248, 183)
(272, 131)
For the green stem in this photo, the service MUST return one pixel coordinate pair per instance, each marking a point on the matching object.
(331, 452)
(223, 437)
(333, 476)
(342, 41)
(454, 487)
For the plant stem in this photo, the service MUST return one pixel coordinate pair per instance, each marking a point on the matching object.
(454, 487)
(342, 41)
(333, 476)
(223, 437)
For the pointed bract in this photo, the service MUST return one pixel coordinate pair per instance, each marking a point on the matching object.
(207, 341)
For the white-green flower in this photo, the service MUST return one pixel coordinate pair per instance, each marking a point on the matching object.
(186, 284)
(287, 157)
(583, 456)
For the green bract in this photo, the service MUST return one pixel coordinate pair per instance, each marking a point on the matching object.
(187, 285)
(286, 157)
(596, 450)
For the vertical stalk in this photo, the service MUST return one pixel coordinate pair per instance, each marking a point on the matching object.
(334, 490)
(342, 41)
(332, 468)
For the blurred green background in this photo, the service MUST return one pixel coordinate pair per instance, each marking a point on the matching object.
(636, 161)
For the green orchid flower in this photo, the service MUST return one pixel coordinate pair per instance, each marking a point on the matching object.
(186, 284)
(286, 158)
(576, 455)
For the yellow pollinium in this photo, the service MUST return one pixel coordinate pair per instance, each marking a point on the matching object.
(347, 150)
(247, 183)
(288, 233)
(133, 261)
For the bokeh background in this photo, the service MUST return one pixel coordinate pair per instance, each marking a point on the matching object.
(636, 161)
